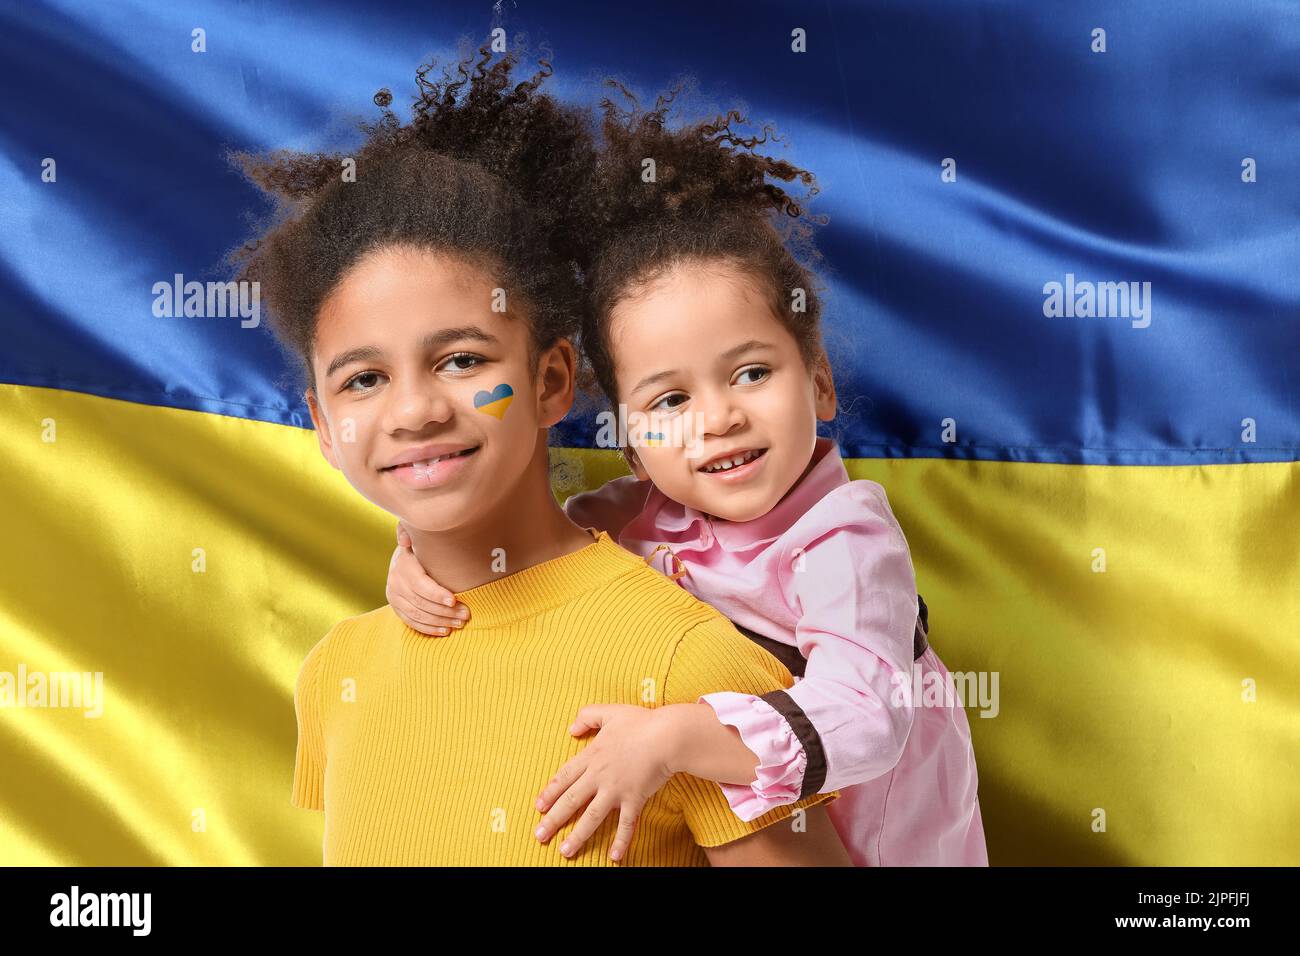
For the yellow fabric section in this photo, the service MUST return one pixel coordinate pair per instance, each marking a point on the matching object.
(106, 530)
(1118, 691)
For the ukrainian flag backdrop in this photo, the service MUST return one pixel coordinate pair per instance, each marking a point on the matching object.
(1063, 262)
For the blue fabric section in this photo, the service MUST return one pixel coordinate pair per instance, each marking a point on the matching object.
(1111, 167)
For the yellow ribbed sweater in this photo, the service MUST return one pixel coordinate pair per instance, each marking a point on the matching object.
(432, 751)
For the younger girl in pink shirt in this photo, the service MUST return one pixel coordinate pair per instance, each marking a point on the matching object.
(704, 329)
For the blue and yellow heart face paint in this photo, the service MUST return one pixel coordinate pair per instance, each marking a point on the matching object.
(496, 401)
(655, 430)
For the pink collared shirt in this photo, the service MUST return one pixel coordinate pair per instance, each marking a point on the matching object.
(828, 571)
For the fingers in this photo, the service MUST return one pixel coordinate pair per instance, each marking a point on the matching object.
(591, 717)
(425, 591)
(432, 614)
(570, 772)
(628, 815)
(599, 808)
(420, 620)
(570, 791)
(418, 600)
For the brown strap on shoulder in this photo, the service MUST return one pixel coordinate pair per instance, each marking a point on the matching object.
(795, 663)
(921, 640)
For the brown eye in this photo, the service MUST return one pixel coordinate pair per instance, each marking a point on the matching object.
(347, 387)
(659, 405)
(466, 357)
(756, 368)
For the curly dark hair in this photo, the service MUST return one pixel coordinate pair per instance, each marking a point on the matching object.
(485, 171)
(710, 200)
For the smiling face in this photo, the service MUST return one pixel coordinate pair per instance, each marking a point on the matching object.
(413, 361)
(701, 353)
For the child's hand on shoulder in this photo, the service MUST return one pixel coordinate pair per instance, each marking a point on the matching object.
(421, 602)
(619, 770)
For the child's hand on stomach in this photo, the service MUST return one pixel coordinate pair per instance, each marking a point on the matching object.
(421, 602)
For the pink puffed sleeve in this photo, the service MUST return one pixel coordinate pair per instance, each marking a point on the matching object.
(610, 507)
(849, 578)
(782, 758)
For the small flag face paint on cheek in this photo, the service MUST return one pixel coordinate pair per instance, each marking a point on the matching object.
(496, 401)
